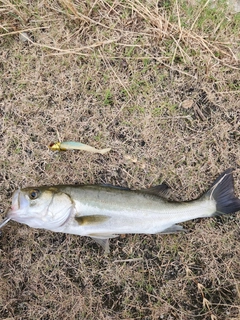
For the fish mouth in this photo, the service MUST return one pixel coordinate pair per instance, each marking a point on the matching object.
(15, 205)
(19, 204)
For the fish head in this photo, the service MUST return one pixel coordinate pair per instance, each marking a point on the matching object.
(41, 207)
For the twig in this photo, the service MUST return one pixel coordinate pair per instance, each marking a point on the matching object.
(109, 65)
(21, 31)
(129, 260)
(198, 15)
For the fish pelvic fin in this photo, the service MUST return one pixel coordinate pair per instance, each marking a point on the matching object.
(222, 192)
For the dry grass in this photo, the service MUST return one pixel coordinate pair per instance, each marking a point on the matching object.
(158, 81)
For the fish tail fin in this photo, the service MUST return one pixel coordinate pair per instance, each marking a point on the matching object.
(222, 192)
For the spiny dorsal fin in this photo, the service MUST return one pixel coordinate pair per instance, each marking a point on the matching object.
(114, 187)
(93, 219)
(162, 190)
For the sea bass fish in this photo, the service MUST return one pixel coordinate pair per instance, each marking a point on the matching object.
(102, 211)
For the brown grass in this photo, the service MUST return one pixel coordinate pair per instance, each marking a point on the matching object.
(158, 82)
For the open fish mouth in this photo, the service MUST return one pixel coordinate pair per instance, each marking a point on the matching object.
(15, 200)
(19, 204)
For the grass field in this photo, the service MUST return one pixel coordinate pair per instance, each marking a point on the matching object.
(159, 83)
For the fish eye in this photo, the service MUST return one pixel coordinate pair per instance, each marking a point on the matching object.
(33, 194)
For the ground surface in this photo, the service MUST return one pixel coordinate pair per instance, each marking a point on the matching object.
(158, 82)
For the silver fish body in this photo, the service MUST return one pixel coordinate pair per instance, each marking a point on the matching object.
(104, 212)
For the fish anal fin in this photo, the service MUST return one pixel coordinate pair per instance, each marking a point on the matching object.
(162, 190)
(104, 243)
(103, 239)
(173, 229)
(91, 219)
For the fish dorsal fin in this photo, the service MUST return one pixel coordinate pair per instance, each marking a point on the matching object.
(114, 187)
(162, 190)
(92, 219)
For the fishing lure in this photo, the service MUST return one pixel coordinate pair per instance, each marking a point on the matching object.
(72, 145)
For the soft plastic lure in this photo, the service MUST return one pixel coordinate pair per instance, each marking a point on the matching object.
(72, 145)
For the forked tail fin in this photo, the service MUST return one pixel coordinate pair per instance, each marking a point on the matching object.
(222, 192)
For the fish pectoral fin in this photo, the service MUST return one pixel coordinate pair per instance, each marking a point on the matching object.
(162, 190)
(173, 229)
(92, 219)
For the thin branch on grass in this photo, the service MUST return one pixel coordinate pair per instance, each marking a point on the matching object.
(85, 18)
(174, 69)
(226, 92)
(179, 37)
(109, 65)
(173, 30)
(75, 50)
(23, 30)
(129, 260)
(119, 112)
(199, 13)
(15, 10)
